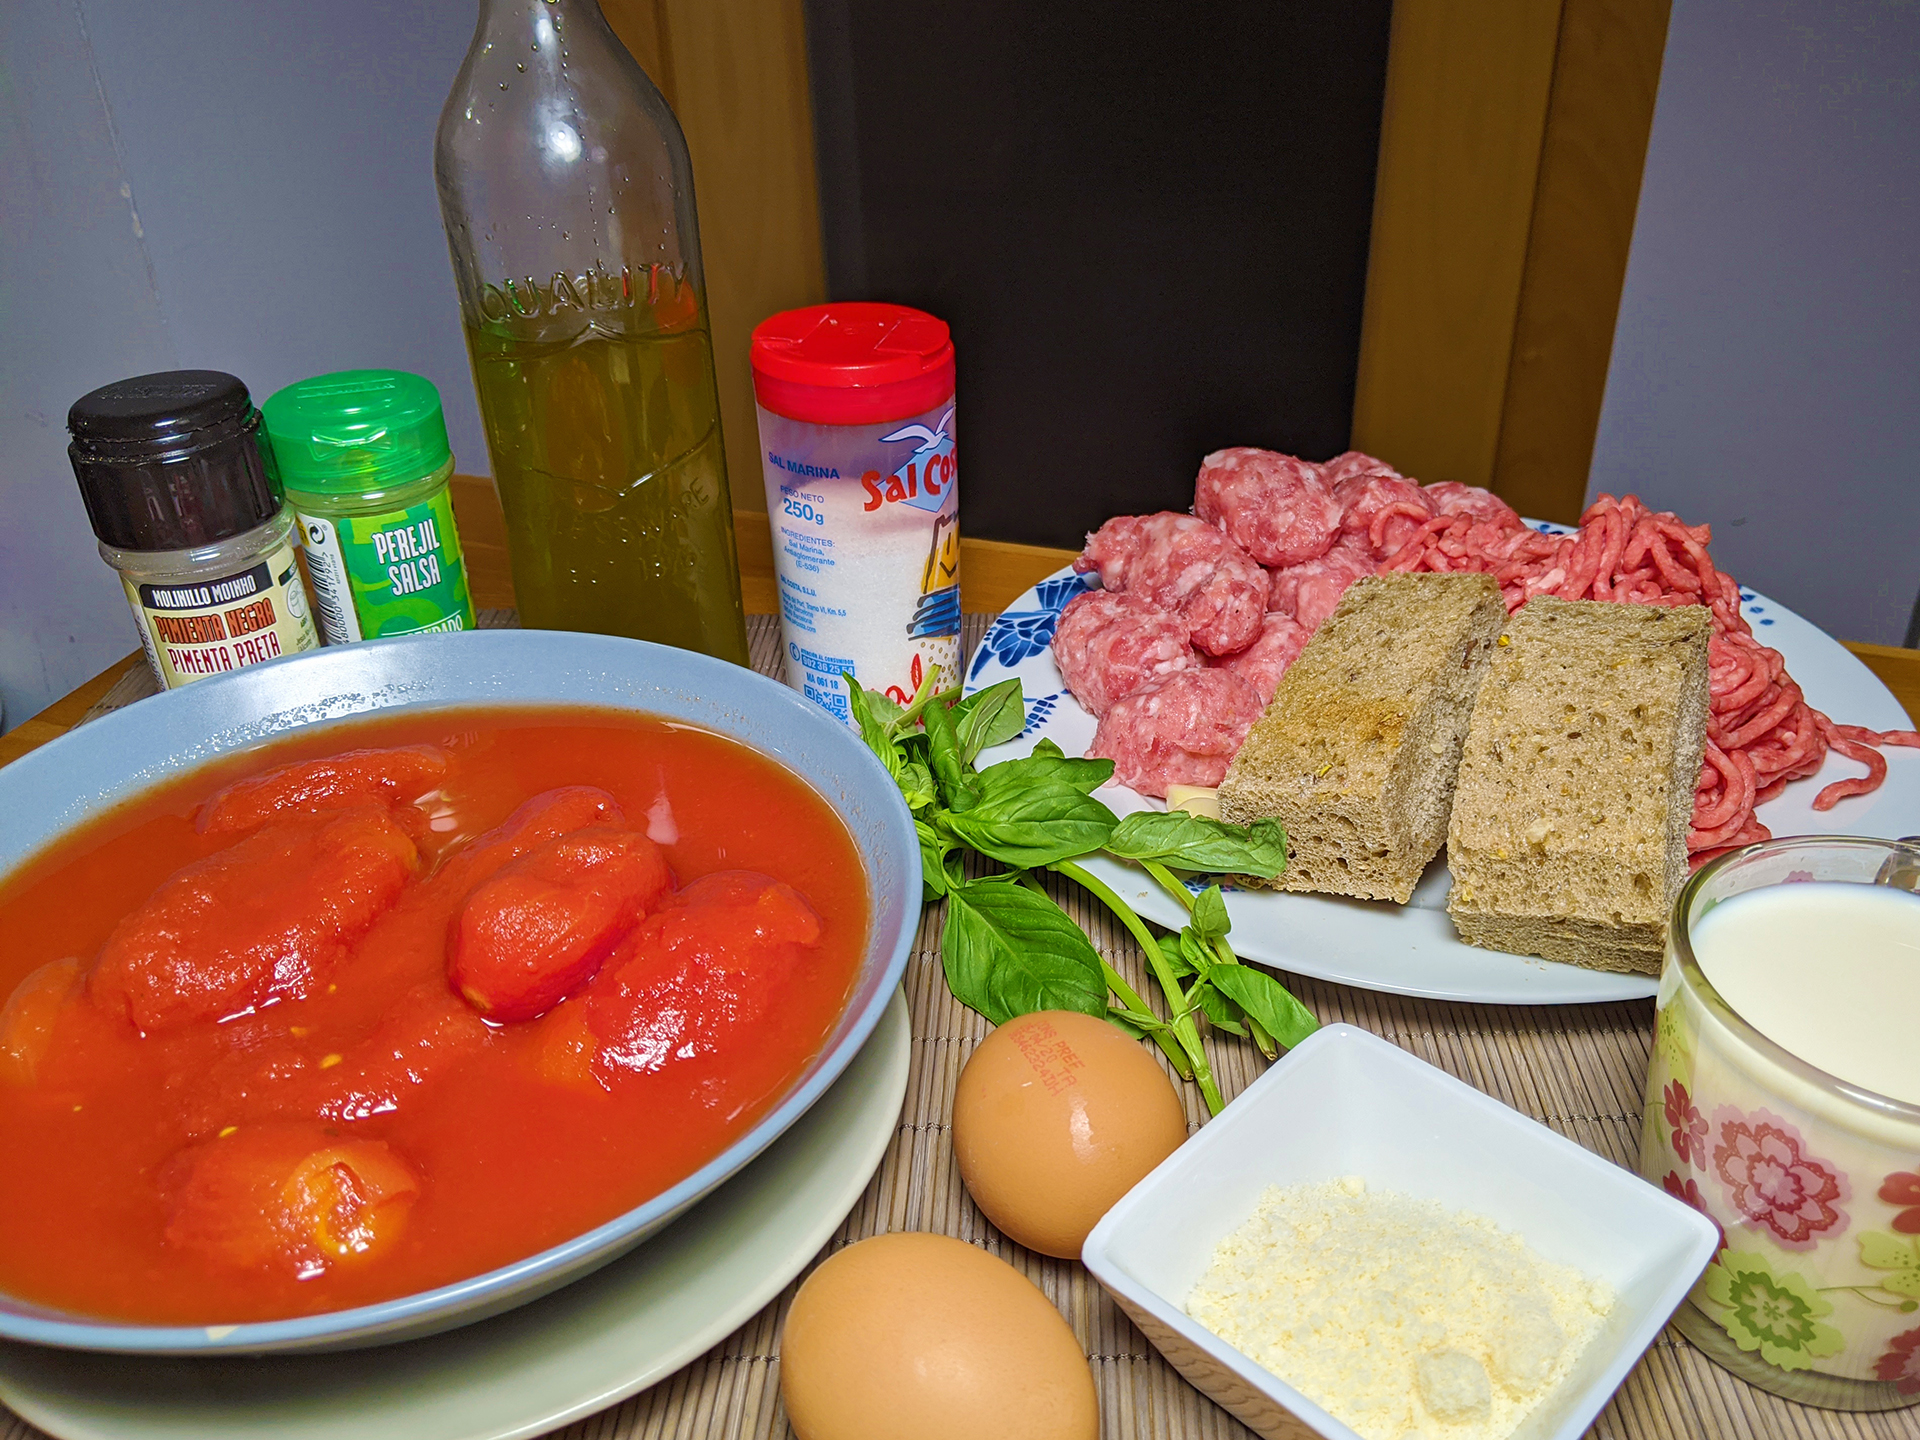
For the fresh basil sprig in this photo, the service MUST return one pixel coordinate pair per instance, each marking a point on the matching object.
(1014, 952)
(1008, 948)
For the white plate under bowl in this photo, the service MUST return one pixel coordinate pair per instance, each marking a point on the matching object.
(575, 1352)
(1412, 949)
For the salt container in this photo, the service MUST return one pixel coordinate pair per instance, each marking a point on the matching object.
(857, 445)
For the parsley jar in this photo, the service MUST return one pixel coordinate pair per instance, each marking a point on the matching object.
(364, 458)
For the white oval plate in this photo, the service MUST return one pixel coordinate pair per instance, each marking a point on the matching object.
(1411, 949)
(570, 1354)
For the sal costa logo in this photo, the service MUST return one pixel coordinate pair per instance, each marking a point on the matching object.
(927, 477)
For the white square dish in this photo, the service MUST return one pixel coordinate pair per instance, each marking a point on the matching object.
(1345, 1102)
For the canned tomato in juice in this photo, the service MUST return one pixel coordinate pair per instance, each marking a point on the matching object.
(857, 444)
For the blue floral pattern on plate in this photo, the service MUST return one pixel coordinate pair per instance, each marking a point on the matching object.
(1018, 635)
(1039, 711)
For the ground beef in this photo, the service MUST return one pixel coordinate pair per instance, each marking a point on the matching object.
(1275, 507)
(1399, 506)
(1351, 463)
(1262, 663)
(1107, 646)
(1182, 730)
(1450, 497)
(1309, 592)
(1186, 566)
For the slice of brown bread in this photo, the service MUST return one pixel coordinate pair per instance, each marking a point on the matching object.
(1356, 755)
(1569, 830)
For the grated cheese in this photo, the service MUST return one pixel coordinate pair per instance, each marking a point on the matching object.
(1400, 1318)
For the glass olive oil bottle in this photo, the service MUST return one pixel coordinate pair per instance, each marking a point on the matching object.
(567, 194)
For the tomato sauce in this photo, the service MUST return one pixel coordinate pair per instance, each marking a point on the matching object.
(295, 1033)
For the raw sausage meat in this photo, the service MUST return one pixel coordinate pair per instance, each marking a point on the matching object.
(1186, 566)
(1450, 497)
(1309, 592)
(1398, 506)
(1179, 731)
(1262, 663)
(1351, 464)
(1107, 646)
(1275, 507)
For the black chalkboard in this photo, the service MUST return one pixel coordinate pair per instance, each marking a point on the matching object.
(1146, 224)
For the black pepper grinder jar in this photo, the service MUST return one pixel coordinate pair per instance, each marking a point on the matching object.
(177, 487)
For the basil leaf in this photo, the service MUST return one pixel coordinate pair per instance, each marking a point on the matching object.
(959, 786)
(1141, 1027)
(1193, 842)
(1046, 747)
(1013, 776)
(933, 859)
(1190, 956)
(916, 784)
(1033, 827)
(991, 717)
(1008, 951)
(882, 706)
(1209, 911)
(1266, 1000)
(1221, 1012)
(1127, 1023)
(873, 729)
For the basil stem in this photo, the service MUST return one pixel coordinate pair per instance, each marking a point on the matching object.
(1184, 1027)
(1131, 1003)
(1170, 883)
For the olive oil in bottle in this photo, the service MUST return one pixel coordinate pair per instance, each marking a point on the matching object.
(568, 200)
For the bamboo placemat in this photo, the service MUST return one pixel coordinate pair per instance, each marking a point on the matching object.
(1576, 1068)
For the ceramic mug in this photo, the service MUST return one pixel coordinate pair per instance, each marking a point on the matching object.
(1814, 1293)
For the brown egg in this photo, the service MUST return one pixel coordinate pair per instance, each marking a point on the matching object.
(1057, 1116)
(926, 1336)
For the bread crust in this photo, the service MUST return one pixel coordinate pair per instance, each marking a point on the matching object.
(1568, 838)
(1356, 756)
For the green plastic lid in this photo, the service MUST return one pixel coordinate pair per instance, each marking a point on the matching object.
(355, 431)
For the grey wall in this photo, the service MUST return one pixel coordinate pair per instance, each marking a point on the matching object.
(198, 184)
(1766, 367)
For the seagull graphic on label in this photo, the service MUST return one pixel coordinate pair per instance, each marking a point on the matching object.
(926, 479)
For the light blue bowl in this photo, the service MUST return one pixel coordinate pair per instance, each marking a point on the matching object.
(129, 751)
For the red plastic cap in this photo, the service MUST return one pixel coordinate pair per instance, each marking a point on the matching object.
(852, 363)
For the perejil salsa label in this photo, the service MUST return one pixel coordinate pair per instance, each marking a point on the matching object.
(398, 572)
(208, 627)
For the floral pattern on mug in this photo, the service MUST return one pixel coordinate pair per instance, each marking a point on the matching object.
(1688, 1193)
(1900, 1256)
(1901, 1364)
(1903, 1188)
(1688, 1124)
(1778, 1315)
(1762, 1164)
(1672, 1038)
